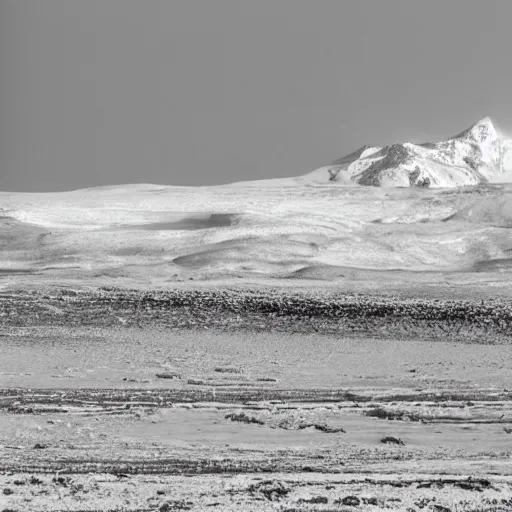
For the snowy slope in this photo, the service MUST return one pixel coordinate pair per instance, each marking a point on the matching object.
(477, 155)
(167, 233)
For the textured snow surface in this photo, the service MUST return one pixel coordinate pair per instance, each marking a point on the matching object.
(178, 232)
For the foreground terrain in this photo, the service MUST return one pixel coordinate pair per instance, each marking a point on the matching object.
(208, 398)
(294, 344)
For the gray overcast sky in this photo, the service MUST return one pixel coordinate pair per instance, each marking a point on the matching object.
(199, 92)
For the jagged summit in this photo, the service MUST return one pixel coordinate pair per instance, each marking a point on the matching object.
(480, 131)
(478, 154)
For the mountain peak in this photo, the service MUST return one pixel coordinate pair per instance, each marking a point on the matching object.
(480, 131)
(485, 121)
(477, 155)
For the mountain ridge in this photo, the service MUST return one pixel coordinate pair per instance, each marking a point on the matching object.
(478, 154)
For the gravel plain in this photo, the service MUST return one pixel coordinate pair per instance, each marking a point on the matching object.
(283, 399)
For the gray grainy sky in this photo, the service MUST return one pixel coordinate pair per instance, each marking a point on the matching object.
(191, 92)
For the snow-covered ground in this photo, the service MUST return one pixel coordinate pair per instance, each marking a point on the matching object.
(200, 232)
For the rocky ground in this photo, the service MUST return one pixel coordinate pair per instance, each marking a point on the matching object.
(203, 399)
(272, 310)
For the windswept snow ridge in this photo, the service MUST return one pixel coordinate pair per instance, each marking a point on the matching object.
(477, 155)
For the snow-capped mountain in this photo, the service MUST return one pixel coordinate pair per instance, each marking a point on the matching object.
(477, 155)
(301, 227)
